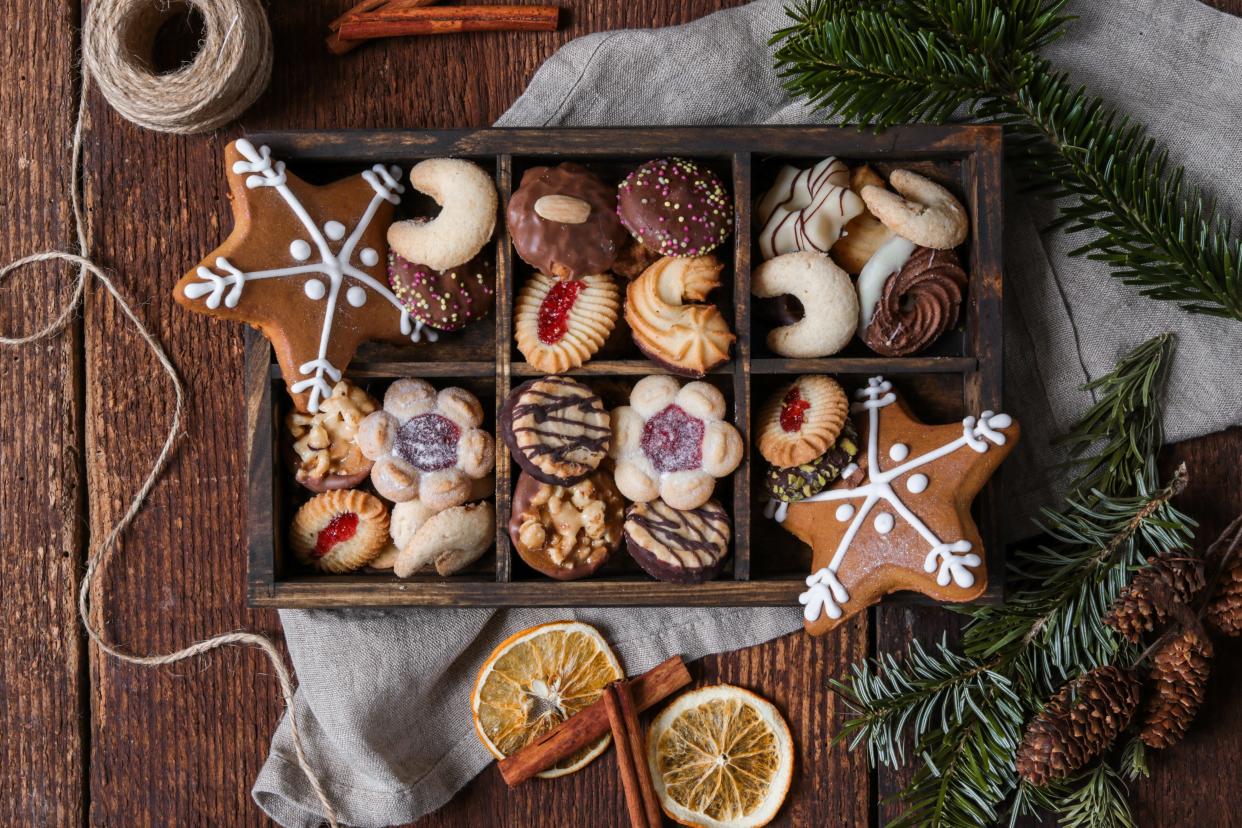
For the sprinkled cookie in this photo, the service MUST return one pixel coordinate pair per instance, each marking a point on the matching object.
(446, 300)
(566, 532)
(556, 428)
(563, 221)
(676, 207)
(790, 484)
(327, 455)
(672, 442)
(559, 324)
(685, 546)
(339, 531)
(802, 420)
(427, 444)
(669, 319)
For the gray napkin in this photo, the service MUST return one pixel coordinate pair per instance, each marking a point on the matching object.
(384, 696)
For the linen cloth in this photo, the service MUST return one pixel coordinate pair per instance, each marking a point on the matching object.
(383, 700)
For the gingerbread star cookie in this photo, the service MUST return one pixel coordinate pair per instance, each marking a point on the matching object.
(907, 525)
(306, 266)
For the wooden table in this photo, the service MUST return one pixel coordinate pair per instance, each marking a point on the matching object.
(89, 740)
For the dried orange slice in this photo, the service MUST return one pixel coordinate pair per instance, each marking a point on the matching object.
(720, 756)
(538, 678)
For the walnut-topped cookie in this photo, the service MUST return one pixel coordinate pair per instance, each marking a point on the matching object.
(566, 532)
(327, 454)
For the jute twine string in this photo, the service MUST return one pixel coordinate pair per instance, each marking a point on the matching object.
(97, 559)
(230, 70)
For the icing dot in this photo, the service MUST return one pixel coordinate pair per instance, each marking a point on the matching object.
(883, 523)
(334, 230)
(844, 512)
(356, 296)
(898, 452)
(917, 483)
(368, 256)
(314, 289)
(299, 250)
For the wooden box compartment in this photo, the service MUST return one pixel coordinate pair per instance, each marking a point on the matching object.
(960, 374)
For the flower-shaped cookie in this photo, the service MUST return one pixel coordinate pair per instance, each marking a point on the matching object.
(672, 442)
(427, 444)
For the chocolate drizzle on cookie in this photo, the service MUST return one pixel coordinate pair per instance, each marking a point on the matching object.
(557, 429)
(918, 303)
(686, 546)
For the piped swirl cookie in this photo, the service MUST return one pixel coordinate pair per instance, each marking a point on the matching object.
(556, 428)
(687, 339)
(339, 531)
(917, 304)
(559, 324)
(802, 420)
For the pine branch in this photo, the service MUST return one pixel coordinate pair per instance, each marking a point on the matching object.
(926, 60)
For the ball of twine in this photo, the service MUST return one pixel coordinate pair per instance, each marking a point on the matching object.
(230, 70)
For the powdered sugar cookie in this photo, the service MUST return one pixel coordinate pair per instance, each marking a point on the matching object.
(559, 324)
(339, 531)
(672, 442)
(468, 201)
(451, 540)
(802, 420)
(829, 304)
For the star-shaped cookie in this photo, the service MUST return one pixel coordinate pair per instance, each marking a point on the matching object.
(907, 526)
(306, 265)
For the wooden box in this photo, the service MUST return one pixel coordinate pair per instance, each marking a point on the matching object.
(960, 374)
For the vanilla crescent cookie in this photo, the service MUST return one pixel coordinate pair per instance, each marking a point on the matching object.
(672, 442)
(687, 339)
(450, 540)
(802, 420)
(559, 324)
(339, 530)
(921, 210)
(829, 303)
(467, 196)
(427, 444)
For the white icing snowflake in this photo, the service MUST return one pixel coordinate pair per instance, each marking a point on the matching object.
(335, 270)
(951, 561)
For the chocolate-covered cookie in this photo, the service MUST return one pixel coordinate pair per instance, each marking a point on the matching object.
(556, 428)
(446, 300)
(566, 532)
(794, 483)
(686, 546)
(676, 207)
(563, 221)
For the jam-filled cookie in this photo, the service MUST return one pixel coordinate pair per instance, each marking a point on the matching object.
(324, 452)
(446, 300)
(563, 221)
(676, 207)
(339, 531)
(566, 532)
(686, 546)
(802, 420)
(559, 324)
(672, 442)
(556, 428)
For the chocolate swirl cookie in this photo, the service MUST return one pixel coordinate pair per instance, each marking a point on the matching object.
(563, 221)
(686, 546)
(918, 303)
(556, 428)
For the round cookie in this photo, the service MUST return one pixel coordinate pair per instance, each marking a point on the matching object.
(566, 532)
(801, 420)
(669, 319)
(829, 304)
(683, 546)
(563, 221)
(468, 201)
(676, 207)
(556, 428)
(559, 324)
(916, 305)
(446, 300)
(793, 483)
(339, 531)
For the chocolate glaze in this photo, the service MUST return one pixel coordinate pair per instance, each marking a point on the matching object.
(547, 454)
(566, 250)
(700, 551)
(795, 483)
(595, 557)
(446, 300)
(918, 303)
(676, 207)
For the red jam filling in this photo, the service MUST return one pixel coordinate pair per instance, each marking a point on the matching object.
(554, 310)
(428, 442)
(673, 440)
(793, 411)
(340, 529)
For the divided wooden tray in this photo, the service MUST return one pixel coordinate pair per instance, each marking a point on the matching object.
(959, 375)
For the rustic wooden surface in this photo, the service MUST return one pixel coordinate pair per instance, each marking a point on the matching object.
(94, 741)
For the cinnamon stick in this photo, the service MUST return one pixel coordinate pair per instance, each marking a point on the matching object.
(638, 746)
(338, 45)
(577, 732)
(387, 22)
(621, 730)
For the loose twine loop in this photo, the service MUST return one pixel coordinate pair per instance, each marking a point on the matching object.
(231, 69)
(98, 558)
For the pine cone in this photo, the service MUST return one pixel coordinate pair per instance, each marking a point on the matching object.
(1179, 674)
(1147, 602)
(1224, 614)
(1078, 724)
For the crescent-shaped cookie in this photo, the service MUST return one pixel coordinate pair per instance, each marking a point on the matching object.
(830, 305)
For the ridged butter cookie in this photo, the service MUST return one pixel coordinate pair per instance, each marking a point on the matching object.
(802, 420)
